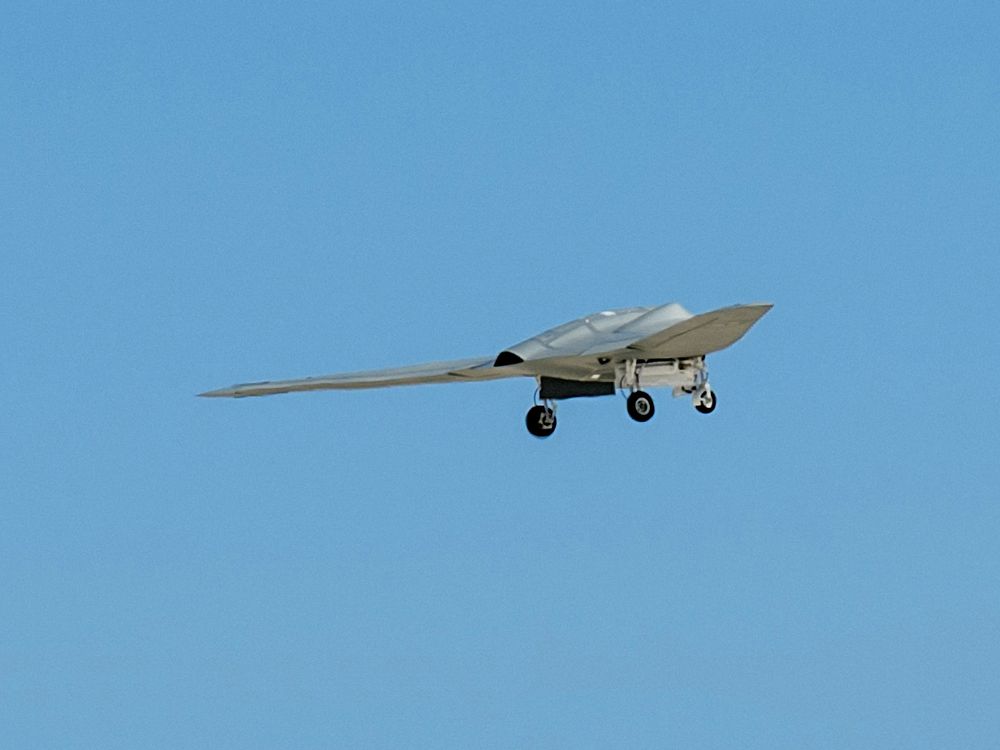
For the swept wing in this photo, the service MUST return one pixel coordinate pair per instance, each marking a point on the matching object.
(586, 349)
(432, 372)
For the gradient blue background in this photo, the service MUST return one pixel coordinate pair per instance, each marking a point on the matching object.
(199, 194)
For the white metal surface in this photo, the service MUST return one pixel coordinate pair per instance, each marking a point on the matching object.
(612, 345)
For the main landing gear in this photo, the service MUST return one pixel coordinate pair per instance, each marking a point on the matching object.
(640, 406)
(692, 376)
(541, 420)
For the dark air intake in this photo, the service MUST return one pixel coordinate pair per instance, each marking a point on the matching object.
(507, 358)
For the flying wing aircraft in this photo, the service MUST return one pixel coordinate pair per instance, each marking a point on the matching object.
(624, 349)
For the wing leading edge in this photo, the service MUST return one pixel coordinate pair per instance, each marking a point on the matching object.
(430, 372)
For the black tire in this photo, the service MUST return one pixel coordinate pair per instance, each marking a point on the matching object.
(540, 421)
(707, 406)
(640, 406)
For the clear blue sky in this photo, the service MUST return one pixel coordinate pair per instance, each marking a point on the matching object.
(199, 194)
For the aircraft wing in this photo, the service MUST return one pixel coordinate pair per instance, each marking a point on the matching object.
(431, 372)
(701, 334)
(579, 352)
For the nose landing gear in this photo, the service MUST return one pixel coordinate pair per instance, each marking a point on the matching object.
(704, 399)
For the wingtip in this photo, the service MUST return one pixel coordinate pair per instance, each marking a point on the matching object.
(215, 394)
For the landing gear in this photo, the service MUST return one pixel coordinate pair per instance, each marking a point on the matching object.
(640, 406)
(541, 421)
(704, 400)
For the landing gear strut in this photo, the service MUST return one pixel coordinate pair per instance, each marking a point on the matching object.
(640, 406)
(704, 399)
(541, 421)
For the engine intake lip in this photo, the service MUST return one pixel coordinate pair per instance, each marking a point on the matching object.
(505, 358)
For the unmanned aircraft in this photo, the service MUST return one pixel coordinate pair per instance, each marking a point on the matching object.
(625, 349)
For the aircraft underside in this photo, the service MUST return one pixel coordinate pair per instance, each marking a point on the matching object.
(686, 376)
